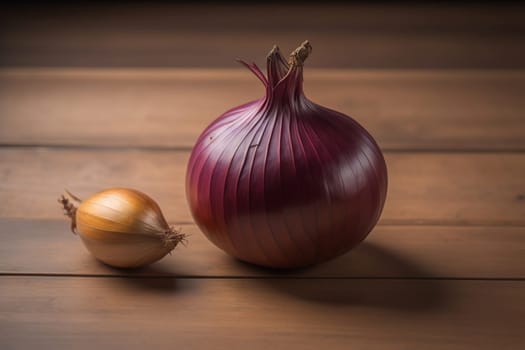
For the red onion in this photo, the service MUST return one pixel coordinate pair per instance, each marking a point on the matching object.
(284, 182)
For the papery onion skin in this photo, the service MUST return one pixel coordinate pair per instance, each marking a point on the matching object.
(123, 228)
(283, 182)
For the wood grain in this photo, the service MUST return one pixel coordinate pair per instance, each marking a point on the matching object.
(171, 313)
(169, 108)
(436, 188)
(442, 270)
(47, 247)
(359, 35)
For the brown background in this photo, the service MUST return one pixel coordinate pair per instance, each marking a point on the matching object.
(96, 96)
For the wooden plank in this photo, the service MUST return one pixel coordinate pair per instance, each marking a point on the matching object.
(359, 35)
(435, 188)
(444, 110)
(129, 313)
(47, 247)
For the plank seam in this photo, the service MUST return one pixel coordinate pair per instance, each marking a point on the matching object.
(385, 223)
(108, 148)
(211, 277)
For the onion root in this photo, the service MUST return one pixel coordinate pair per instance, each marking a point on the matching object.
(70, 210)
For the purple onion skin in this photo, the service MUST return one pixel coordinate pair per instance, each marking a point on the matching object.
(283, 182)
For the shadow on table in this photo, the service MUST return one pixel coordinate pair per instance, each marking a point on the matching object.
(371, 275)
(154, 285)
(152, 278)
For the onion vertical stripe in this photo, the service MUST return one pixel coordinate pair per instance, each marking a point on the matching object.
(281, 181)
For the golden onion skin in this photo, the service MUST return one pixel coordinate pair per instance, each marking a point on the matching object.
(124, 228)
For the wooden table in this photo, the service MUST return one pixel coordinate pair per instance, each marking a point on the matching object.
(444, 268)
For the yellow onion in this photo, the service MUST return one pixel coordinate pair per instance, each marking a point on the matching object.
(122, 227)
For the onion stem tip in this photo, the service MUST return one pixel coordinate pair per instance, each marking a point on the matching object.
(299, 55)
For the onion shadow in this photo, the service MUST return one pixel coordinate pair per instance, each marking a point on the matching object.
(371, 275)
(149, 279)
(164, 285)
